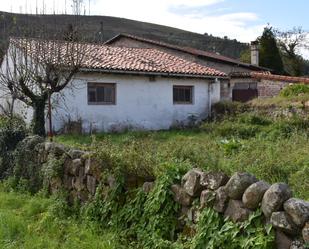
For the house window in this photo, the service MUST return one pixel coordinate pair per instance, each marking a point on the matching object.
(183, 94)
(101, 93)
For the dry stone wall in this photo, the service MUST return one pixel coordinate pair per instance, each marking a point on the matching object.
(235, 197)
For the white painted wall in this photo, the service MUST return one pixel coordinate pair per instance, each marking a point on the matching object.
(140, 103)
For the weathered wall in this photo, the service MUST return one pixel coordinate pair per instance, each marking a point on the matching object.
(270, 88)
(235, 197)
(140, 103)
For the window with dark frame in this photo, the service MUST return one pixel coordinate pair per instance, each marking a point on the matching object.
(183, 94)
(101, 93)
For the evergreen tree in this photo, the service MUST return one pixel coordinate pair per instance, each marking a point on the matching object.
(269, 52)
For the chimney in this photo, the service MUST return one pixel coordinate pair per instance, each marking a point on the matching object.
(254, 48)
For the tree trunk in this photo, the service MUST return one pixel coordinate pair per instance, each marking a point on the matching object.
(38, 120)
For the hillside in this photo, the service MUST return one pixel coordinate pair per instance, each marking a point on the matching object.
(16, 24)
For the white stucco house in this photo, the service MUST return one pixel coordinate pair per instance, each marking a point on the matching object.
(137, 88)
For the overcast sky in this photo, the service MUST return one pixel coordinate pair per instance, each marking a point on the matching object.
(240, 19)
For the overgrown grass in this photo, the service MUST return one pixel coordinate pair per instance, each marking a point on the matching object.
(29, 222)
(276, 151)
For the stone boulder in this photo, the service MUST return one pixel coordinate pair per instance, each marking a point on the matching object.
(193, 215)
(91, 184)
(93, 167)
(74, 167)
(298, 210)
(74, 154)
(54, 148)
(274, 198)
(282, 221)
(191, 182)
(181, 196)
(238, 183)
(236, 211)
(282, 240)
(68, 182)
(207, 198)
(221, 200)
(148, 186)
(214, 180)
(305, 233)
(254, 194)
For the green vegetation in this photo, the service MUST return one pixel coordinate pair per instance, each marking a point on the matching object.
(273, 150)
(33, 222)
(103, 28)
(295, 90)
(270, 56)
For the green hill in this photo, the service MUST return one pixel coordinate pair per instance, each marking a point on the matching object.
(91, 26)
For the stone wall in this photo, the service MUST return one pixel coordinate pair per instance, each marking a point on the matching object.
(270, 88)
(235, 197)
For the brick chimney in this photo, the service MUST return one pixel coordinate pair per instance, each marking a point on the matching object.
(254, 48)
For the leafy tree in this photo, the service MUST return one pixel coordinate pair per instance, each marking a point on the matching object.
(269, 52)
(245, 56)
(291, 42)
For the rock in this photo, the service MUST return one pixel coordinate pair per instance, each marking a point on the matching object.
(91, 184)
(74, 167)
(254, 194)
(274, 198)
(93, 167)
(305, 233)
(80, 180)
(221, 199)
(193, 215)
(111, 181)
(236, 211)
(297, 244)
(57, 149)
(282, 240)
(207, 198)
(191, 182)
(83, 196)
(148, 186)
(214, 180)
(281, 221)
(238, 183)
(55, 184)
(74, 154)
(298, 210)
(68, 182)
(181, 196)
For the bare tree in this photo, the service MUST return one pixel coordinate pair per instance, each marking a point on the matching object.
(291, 43)
(34, 69)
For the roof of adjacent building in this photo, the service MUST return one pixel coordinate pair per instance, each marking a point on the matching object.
(269, 76)
(97, 57)
(189, 50)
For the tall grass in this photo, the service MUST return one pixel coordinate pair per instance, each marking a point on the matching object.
(276, 151)
(27, 222)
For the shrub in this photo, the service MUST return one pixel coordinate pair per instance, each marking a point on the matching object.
(228, 108)
(294, 90)
(214, 232)
(12, 131)
(27, 169)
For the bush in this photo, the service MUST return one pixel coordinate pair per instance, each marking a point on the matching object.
(12, 131)
(27, 169)
(294, 90)
(228, 108)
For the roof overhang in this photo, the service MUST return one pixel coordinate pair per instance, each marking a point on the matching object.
(145, 73)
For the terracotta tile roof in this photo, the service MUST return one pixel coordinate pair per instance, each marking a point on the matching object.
(268, 76)
(193, 51)
(280, 78)
(107, 58)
